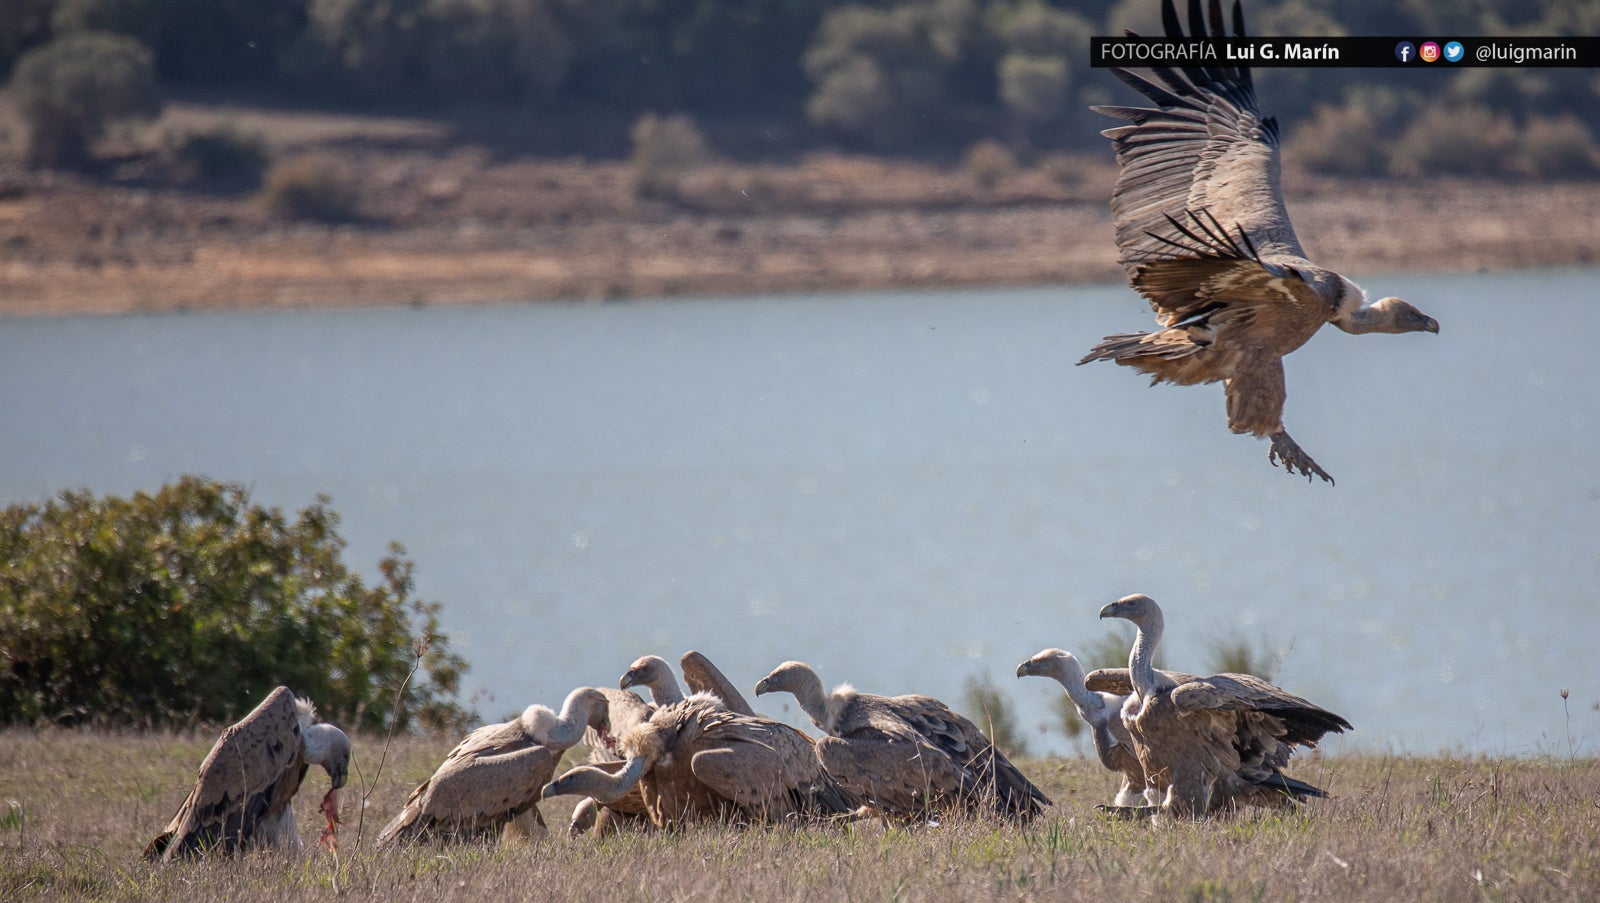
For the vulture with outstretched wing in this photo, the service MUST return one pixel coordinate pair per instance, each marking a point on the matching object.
(1203, 235)
(1212, 744)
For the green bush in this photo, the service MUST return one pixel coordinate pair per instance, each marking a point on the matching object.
(992, 712)
(309, 186)
(221, 156)
(664, 151)
(71, 89)
(1469, 141)
(1231, 653)
(1339, 140)
(1035, 88)
(191, 603)
(1559, 146)
(989, 163)
(886, 76)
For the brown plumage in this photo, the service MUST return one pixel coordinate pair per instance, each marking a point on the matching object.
(1212, 744)
(1204, 236)
(244, 792)
(697, 760)
(627, 712)
(491, 781)
(909, 757)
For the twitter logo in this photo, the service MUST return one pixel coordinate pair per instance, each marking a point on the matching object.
(1453, 52)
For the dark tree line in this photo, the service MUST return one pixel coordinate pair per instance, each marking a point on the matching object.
(888, 75)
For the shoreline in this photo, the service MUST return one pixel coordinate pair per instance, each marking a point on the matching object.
(448, 228)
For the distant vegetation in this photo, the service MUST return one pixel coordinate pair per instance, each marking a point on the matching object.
(984, 704)
(191, 603)
(892, 76)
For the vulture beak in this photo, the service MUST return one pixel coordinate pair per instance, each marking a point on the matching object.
(1110, 611)
(761, 686)
(1431, 325)
(1025, 669)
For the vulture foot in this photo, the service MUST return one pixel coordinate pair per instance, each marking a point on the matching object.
(1128, 812)
(1287, 452)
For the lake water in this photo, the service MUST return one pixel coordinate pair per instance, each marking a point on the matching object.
(906, 490)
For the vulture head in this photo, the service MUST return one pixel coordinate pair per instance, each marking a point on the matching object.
(653, 672)
(1403, 317)
(789, 677)
(326, 745)
(1388, 315)
(1138, 608)
(1053, 663)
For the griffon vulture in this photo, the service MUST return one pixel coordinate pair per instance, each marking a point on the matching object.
(697, 760)
(653, 672)
(247, 782)
(909, 757)
(627, 712)
(1203, 235)
(490, 782)
(1214, 743)
(1102, 712)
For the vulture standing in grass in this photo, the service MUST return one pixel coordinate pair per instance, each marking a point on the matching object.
(1203, 235)
(908, 757)
(1102, 712)
(489, 784)
(627, 712)
(248, 781)
(697, 760)
(1215, 743)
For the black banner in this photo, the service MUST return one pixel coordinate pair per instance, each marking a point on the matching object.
(1347, 52)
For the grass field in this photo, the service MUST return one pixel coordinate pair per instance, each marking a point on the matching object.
(77, 808)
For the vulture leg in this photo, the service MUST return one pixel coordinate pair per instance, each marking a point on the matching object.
(1286, 451)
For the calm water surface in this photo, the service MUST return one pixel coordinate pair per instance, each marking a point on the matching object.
(906, 490)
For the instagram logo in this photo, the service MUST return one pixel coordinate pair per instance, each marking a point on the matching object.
(1404, 51)
(1430, 52)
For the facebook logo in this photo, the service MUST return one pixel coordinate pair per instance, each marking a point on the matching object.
(1404, 51)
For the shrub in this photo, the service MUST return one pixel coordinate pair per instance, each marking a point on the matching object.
(991, 711)
(191, 602)
(222, 156)
(1234, 654)
(1067, 169)
(664, 150)
(1466, 141)
(309, 186)
(1559, 146)
(989, 163)
(885, 76)
(1339, 140)
(1035, 88)
(71, 89)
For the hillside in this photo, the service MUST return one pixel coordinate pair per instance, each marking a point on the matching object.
(440, 218)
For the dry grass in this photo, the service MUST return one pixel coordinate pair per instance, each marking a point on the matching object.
(77, 808)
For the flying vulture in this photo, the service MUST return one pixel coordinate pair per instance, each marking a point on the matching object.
(1203, 235)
